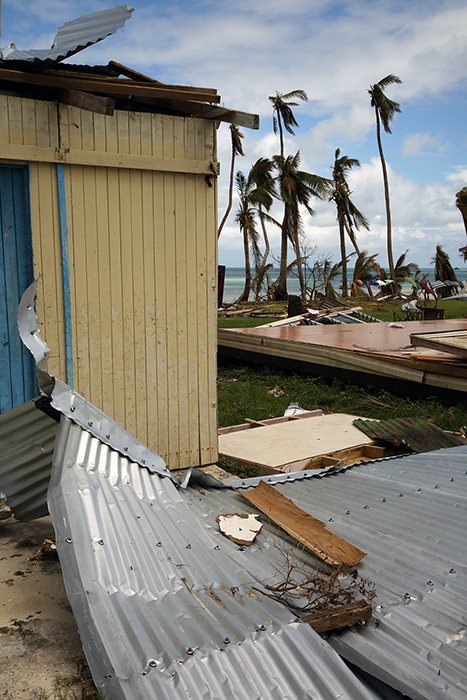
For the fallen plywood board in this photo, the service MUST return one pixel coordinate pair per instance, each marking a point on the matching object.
(310, 532)
(282, 444)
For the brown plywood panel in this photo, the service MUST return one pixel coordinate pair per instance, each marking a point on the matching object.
(309, 531)
(284, 443)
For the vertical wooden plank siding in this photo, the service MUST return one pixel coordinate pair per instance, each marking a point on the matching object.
(142, 269)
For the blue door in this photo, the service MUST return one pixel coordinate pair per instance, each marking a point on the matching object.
(17, 372)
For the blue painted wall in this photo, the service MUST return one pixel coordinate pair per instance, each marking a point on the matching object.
(17, 372)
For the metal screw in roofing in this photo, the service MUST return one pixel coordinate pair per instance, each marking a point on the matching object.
(419, 490)
(144, 673)
(226, 640)
(126, 449)
(143, 461)
(429, 583)
(452, 479)
(72, 408)
(348, 512)
(153, 663)
(401, 495)
(159, 544)
(69, 540)
(217, 546)
(406, 595)
(366, 507)
(452, 571)
(90, 423)
(241, 549)
(107, 437)
(190, 651)
(243, 483)
(188, 546)
(261, 628)
(100, 542)
(437, 486)
(331, 520)
(385, 500)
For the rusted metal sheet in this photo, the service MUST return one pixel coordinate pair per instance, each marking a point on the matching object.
(413, 433)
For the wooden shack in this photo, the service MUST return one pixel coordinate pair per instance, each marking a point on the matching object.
(108, 192)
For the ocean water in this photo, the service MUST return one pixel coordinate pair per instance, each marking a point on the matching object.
(235, 281)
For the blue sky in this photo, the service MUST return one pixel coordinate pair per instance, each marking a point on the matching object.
(333, 50)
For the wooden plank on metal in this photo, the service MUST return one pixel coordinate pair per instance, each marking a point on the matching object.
(309, 531)
(339, 616)
(84, 100)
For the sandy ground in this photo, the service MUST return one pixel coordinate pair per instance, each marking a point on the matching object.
(39, 640)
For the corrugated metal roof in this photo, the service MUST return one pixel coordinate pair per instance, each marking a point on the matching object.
(410, 515)
(74, 36)
(416, 434)
(27, 439)
(164, 603)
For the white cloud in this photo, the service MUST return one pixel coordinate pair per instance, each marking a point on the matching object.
(419, 144)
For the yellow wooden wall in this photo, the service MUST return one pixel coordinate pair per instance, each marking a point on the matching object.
(141, 211)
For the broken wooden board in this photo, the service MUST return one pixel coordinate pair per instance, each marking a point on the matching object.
(310, 532)
(454, 342)
(239, 527)
(340, 616)
(280, 445)
(362, 453)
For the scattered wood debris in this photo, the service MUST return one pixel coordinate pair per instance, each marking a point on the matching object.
(239, 527)
(47, 551)
(309, 531)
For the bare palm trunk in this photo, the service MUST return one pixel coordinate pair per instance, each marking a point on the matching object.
(246, 290)
(343, 253)
(260, 272)
(229, 206)
(298, 256)
(280, 292)
(386, 195)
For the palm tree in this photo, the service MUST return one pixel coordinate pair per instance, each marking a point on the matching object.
(384, 111)
(249, 196)
(262, 197)
(443, 271)
(461, 204)
(296, 187)
(348, 215)
(282, 114)
(237, 150)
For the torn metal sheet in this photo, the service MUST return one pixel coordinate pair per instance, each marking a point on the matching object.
(309, 531)
(27, 440)
(73, 37)
(413, 433)
(240, 527)
(73, 405)
(163, 601)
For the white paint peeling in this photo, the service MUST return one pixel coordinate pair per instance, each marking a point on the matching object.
(239, 528)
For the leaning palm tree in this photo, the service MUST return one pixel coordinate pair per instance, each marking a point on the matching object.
(384, 111)
(348, 216)
(237, 150)
(245, 217)
(282, 114)
(296, 188)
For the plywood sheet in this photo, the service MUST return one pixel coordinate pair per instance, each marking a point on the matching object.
(454, 342)
(280, 444)
(309, 531)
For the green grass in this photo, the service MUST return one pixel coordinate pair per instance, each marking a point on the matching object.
(243, 321)
(243, 392)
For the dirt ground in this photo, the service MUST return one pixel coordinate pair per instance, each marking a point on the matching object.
(39, 640)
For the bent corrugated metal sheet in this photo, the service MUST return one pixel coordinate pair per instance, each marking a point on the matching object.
(164, 603)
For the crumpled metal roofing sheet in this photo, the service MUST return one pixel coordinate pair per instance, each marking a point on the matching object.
(74, 36)
(414, 433)
(164, 603)
(410, 515)
(27, 439)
